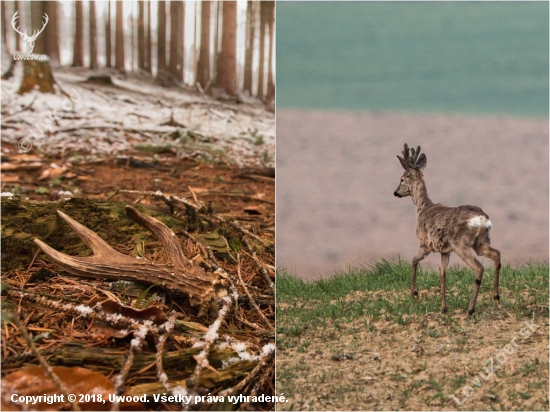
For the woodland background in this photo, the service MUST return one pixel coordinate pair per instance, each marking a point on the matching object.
(231, 47)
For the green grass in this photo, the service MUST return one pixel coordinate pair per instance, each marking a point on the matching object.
(303, 305)
(467, 57)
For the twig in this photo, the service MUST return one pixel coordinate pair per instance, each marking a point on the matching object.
(209, 339)
(49, 371)
(193, 193)
(261, 266)
(268, 352)
(135, 347)
(81, 310)
(250, 298)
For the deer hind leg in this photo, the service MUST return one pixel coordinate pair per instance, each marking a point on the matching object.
(442, 278)
(465, 253)
(422, 253)
(484, 249)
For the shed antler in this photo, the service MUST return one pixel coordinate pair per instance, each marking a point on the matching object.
(178, 275)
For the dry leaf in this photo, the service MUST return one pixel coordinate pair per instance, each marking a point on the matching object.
(33, 381)
(154, 314)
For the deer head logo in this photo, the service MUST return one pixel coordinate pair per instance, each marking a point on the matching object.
(29, 39)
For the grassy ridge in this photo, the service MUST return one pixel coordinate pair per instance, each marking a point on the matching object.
(469, 57)
(384, 290)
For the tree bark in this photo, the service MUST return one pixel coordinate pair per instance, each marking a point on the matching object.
(78, 45)
(203, 67)
(141, 35)
(270, 81)
(20, 44)
(52, 33)
(119, 37)
(176, 40)
(93, 36)
(249, 51)
(4, 31)
(227, 68)
(108, 50)
(148, 46)
(161, 43)
(264, 13)
(37, 20)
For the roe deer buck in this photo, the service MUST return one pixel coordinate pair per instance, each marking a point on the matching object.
(445, 229)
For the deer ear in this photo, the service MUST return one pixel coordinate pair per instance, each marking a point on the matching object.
(422, 161)
(404, 163)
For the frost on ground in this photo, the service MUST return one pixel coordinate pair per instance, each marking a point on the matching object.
(105, 120)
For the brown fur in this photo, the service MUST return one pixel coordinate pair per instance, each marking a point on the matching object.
(445, 229)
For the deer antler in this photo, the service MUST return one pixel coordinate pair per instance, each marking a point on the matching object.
(178, 275)
(13, 22)
(411, 156)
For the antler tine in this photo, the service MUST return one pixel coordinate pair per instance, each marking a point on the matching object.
(415, 155)
(94, 242)
(406, 152)
(167, 237)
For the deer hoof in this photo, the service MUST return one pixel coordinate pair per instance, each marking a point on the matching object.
(444, 310)
(414, 294)
(471, 312)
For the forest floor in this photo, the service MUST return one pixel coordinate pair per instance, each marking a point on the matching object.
(136, 136)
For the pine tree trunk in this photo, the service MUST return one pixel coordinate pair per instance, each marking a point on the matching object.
(227, 68)
(141, 35)
(270, 81)
(4, 31)
(161, 43)
(249, 51)
(37, 20)
(93, 36)
(149, 47)
(264, 12)
(51, 33)
(108, 50)
(216, 51)
(181, 43)
(176, 39)
(203, 67)
(78, 45)
(119, 37)
(20, 44)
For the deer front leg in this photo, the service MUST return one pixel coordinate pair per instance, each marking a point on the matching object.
(422, 253)
(443, 277)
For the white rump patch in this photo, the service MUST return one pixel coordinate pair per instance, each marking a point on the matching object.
(480, 221)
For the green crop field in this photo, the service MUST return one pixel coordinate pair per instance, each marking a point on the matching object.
(466, 57)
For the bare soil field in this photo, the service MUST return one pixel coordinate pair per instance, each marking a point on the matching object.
(382, 365)
(337, 171)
